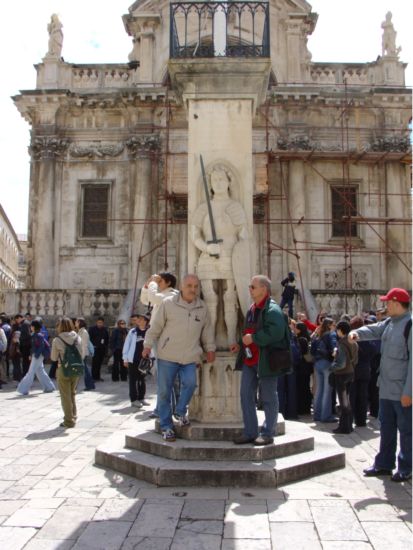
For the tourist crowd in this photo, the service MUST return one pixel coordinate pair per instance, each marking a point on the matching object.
(336, 364)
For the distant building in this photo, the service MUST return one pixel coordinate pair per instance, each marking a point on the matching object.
(22, 263)
(9, 253)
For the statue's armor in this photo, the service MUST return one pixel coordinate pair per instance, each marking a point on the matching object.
(228, 217)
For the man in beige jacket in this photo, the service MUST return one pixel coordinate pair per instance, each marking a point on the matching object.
(179, 328)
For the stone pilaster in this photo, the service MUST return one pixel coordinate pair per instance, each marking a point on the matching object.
(141, 149)
(296, 203)
(142, 28)
(45, 152)
(398, 235)
(294, 51)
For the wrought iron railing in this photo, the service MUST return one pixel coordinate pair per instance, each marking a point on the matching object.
(219, 29)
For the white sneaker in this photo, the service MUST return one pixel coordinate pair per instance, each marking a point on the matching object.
(136, 404)
(182, 420)
(145, 403)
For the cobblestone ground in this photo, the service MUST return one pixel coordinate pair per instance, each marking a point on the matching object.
(53, 497)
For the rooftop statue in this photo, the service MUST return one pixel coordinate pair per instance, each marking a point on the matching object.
(389, 37)
(54, 28)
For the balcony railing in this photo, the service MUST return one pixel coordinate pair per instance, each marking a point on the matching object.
(219, 29)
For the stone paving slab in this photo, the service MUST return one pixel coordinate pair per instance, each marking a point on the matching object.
(53, 497)
(294, 535)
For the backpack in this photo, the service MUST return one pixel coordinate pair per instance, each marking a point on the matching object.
(3, 346)
(72, 363)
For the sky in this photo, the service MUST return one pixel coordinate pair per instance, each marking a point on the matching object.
(346, 31)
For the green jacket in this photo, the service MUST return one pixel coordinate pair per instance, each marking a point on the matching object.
(272, 332)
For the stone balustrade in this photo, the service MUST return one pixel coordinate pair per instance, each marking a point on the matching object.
(93, 77)
(52, 304)
(334, 73)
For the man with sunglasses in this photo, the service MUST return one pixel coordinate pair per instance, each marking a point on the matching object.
(265, 325)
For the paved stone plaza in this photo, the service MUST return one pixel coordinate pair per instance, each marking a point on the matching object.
(53, 497)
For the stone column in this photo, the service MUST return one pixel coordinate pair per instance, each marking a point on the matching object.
(221, 97)
(141, 149)
(44, 151)
(296, 205)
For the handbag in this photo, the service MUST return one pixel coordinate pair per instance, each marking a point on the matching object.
(145, 365)
(280, 361)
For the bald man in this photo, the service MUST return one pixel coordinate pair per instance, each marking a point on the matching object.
(181, 328)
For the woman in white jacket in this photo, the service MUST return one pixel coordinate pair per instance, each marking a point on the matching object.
(156, 289)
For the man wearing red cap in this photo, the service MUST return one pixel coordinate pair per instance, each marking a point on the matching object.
(395, 385)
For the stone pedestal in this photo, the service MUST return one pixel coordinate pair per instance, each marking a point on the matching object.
(217, 398)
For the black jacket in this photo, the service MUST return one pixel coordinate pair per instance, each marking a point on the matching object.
(99, 337)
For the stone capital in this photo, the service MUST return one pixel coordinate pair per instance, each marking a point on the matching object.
(48, 147)
(220, 78)
(144, 24)
(143, 145)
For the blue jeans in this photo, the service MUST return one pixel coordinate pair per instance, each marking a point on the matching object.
(322, 401)
(394, 417)
(89, 382)
(269, 398)
(36, 369)
(167, 372)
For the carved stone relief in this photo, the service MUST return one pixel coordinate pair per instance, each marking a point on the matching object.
(100, 150)
(390, 143)
(336, 280)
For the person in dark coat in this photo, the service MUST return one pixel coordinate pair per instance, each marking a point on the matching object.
(359, 391)
(374, 372)
(288, 293)
(117, 341)
(345, 359)
(304, 369)
(99, 336)
(287, 383)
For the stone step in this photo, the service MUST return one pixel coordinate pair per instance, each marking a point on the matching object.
(283, 445)
(327, 455)
(217, 432)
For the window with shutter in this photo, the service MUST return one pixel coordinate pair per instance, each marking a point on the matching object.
(95, 211)
(343, 205)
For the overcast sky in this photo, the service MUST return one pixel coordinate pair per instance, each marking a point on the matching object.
(347, 30)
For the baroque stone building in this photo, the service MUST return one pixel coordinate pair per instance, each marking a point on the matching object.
(110, 169)
(9, 253)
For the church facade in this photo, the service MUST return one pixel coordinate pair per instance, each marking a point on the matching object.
(109, 149)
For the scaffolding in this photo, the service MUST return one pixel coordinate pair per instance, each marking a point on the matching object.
(349, 247)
